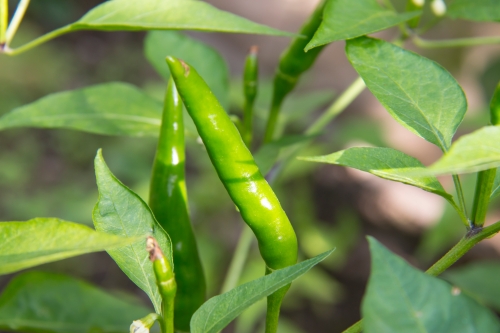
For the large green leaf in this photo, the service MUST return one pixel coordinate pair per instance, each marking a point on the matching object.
(119, 211)
(42, 240)
(110, 108)
(381, 162)
(207, 61)
(400, 298)
(171, 14)
(479, 280)
(346, 19)
(54, 303)
(475, 10)
(417, 92)
(473, 152)
(220, 310)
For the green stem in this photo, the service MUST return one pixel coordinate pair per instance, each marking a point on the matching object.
(484, 184)
(4, 20)
(461, 197)
(338, 106)
(16, 20)
(239, 259)
(40, 40)
(472, 237)
(273, 308)
(250, 83)
(458, 42)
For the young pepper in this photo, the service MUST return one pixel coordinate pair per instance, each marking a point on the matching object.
(293, 63)
(168, 201)
(250, 192)
(250, 79)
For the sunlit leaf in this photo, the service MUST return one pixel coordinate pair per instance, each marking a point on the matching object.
(474, 10)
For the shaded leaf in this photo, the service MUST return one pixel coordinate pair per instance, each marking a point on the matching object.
(480, 280)
(110, 108)
(384, 163)
(400, 298)
(346, 19)
(47, 302)
(417, 92)
(42, 240)
(474, 10)
(220, 310)
(207, 61)
(473, 152)
(119, 211)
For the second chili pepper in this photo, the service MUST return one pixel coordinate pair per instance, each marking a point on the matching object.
(168, 201)
(241, 177)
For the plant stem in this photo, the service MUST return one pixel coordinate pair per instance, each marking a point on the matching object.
(458, 42)
(239, 259)
(40, 40)
(16, 20)
(338, 106)
(484, 184)
(472, 237)
(4, 20)
(461, 198)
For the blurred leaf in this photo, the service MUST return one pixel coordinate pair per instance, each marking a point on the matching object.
(54, 303)
(110, 108)
(400, 298)
(475, 10)
(269, 153)
(220, 310)
(358, 129)
(207, 61)
(470, 153)
(381, 162)
(42, 240)
(119, 211)
(417, 92)
(346, 19)
(480, 280)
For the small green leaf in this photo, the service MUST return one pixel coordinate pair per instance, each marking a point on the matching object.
(220, 310)
(475, 10)
(42, 240)
(479, 280)
(53, 303)
(110, 108)
(473, 152)
(171, 15)
(417, 92)
(384, 163)
(346, 19)
(119, 211)
(400, 298)
(495, 191)
(207, 61)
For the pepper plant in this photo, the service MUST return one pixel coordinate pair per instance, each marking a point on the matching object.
(154, 244)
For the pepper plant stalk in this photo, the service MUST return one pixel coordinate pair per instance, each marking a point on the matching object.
(250, 86)
(168, 201)
(4, 20)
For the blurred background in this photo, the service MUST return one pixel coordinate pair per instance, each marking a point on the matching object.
(49, 173)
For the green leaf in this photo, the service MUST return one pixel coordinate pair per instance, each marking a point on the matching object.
(475, 10)
(346, 19)
(54, 303)
(110, 108)
(417, 92)
(495, 191)
(400, 298)
(480, 280)
(207, 61)
(168, 15)
(473, 152)
(119, 211)
(384, 163)
(220, 310)
(42, 240)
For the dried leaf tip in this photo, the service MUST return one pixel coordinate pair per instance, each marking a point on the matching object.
(186, 68)
(154, 249)
(254, 49)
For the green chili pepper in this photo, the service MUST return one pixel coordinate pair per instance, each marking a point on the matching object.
(168, 201)
(250, 77)
(241, 177)
(165, 280)
(293, 62)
